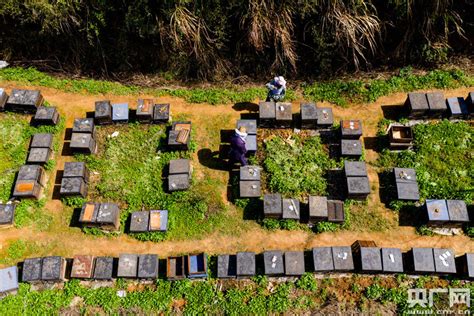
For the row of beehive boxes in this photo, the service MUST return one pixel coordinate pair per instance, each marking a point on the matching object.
(280, 115)
(421, 105)
(147, 111)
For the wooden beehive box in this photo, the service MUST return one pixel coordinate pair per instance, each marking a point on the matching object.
(325, 118)
(226, 266)
(351, 129)
(82, 267)
(139, 221)
(158, 220)
(53, 269)
(175, 268)
(444, 261)
(246, 266)
(7, 214)
(145, 110)
(392, 260)
(273, 263)
(294, 263)
(103, 112)
(108, 217)
(83, 143)
(436, 104)
(351, 148)
(26, 101)
(31, 271)
(148, 266)
(322, 259)
(318, 208)
(39, 156)
(283, 115)
(336, 211)
(291, 209)
(73, 186)
(120, 113)
(416, 105)
(457, 108)
(3, 99)
(342, 258)
(400, 137)
(76, 169)
(103, 268)
(267, 114)
(421, 260)
(127, 266)
(161, 113)
(250, 126)
(368, 257)
(309, 115)
(84, 125)
(197, 265)
(46, 115)
(89, 213)
(272, 206)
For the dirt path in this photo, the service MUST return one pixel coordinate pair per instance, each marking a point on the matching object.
(208, 120)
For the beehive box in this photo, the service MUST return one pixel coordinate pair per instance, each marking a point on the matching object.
(283, 115)
(318, 208)
(368, 257)
(46, 115)
(178, 182)
(158, 220)
(351, 148)
(272, 206)
(180, 135)
(291, 209)
(422, 260)
(161, 113)
(457, 211)
(180, 166)
(325, 118)
(104, 267)
(83, 143)
(407, 175)
(175, 268)
(108, 216)
(322, 259)
(267, 114)
(31, 271)
(342, 258)
(8, 279)
(127, 266)
(7, 214)
(226, 266)
(406, 184)
(148, 266)
(309, 115)
(273, 263)
(76, 170)
(437, 211)
(245, 264)
(197, 265)
(103, 112)
(145, 110)
(351, 129)
(457, 108)
(416, 105)
(42, 140)
(436, 104)
(358, 187)
(82, 267)
(335, 211)
(39, 156)
(249, 189)
(89, 213)
(139, 221)
(73, 186)
(355, 168)
(26, 101)
(392, 260)
(249, 173)
(31, 172)
(27, 189)
(120, 113)
(465, 265)
(294, 263)
(400, 137)
(444, 261)
(250, 126)
(84, 125)
(3, 99)
(470, 103)
(53, 269)
(251, 144)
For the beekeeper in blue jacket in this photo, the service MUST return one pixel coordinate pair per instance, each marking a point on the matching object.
(276, 89)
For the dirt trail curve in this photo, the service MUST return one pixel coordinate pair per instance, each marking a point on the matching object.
(71, 241)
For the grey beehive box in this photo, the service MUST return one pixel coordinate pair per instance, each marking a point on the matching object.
(161, 113)
(127, 266)
(31, 270)
(273, 263)
(457, 211)
(437, 211)
(42, 140)
(266, 114)
(139, 221)
(249, 189)
(120, 113)
(108, 216)
(7, 214)
(245, 264)
(422, 259)
(325, 117)
(294, 263)
(358, 187)
(318, 208)
(89, 213)
(46, 115)
(83, 125)
(336, 211)
(355, 168)
(251, 144)
(370, 259)
(404, 175)
(457, 108)
(444, 261)
(53, 269)
(103, 112)
(24, 101)
(76, 169)
(436, 104)
(351, 129)
(145, 110)
(3, 99)
(342, 258)
(322, 259)
(291, 209)
(178, 182)
(407, 191)
(272, 206)
(103, 268)
(8, 279)
(351, 148)
(73, 186)
(148, 266)
(83, 143)
(180, 166)
(309, 115)
(250, 126)
(39, 156)
(416, 105)
(250, 173)
(283, 114)
(392, 260)
(31, 172)
(226, 266)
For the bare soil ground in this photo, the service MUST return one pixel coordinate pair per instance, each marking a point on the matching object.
(208, 120)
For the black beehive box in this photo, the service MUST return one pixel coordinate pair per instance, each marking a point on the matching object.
(31, 172)
(76, 169)
(351, 148)
(39, 156)
(32, 270)
(108, 216)
(139, 221)
(24, 101)
(273, 262)
(355, 168)
(7, 214)
(251, 144)
(351, 129)
(180, 166)
(416, 105)
(335, 211)
(309, 115)
(368, 257)
(249, 173)
(291, 209)
(437, 211)
(3, 99)
(267, 114)
(103, 269)
(249, 189)
(46, 115)
(42, 140)
(73, 186)
(465, 265)
(318, 208)
(342, 258)
(145, 110)
(422, 260)
(404, 175)
(161, 113)
(180, 135)
(245, 264)
(89, 213)
(250, 126)
(444, 261)
(407, 191)
(325, 118)
(322, 259)
(127, 266)
(392, 260)
(470, 103)
(457, 211)
(120, 113)
(457, 108)
(436, 104)
(272, 206)
(103, 112)
(53, 269)
(358, 187)
(283, 114)
(148, 266)
(226, 266)
(178, 182)
(83, 143)
(83, 125)
(294, 263)
(175, 268)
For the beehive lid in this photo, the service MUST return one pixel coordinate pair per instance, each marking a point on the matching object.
(351, 147)
(355, 168)
(148, 266)
(251, 143)
(158, 220)
(83, 125)
(250, 173)
(283, 111)
(294, 263)
(82, 267)
(178, 126)
(342, 257)
(423, 259)
(145, 106)
(103, 268)
(272, 204)
(371, 258)
(436, 101)
(226, 266)
(8, 279)
(358, 185)
(444, 260)
(245, 264)
(418, 101)
(392, 260)
(437, 210)
(25, 97)
(291, 209)
(42, 140)
(322, 259)
(457, 105)
(249, 189)
(404, 175)
(74, 169)
(457, 210)
(103, 109)
(318, 206)
(120, 112)
(139, 221)
(127, 266)
(39, 155)
(407, 191)
(81, 140)
(45, 113)
(72, 186)
(32, 269)
(7, 213)
(325, 116)
(178, 166)
(178, 182)
(108, 213)
(162, 112)
(308, 111)
(53, 268)
(89, 212)
(30, 172)
(250, 126)
(267, 110)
